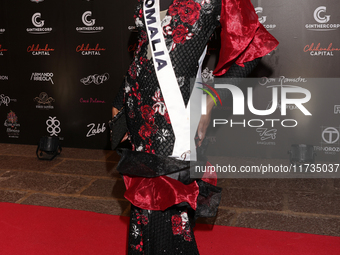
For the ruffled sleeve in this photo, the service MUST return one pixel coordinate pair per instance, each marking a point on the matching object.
(243, 38)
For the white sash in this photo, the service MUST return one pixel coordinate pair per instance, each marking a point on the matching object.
(179, 114)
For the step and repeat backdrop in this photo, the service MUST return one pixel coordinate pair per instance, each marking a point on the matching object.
(62, 62)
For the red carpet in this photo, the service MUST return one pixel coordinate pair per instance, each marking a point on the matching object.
(36, 230)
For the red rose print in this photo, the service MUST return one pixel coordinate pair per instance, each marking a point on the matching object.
(174, 8)
(147, 114)
(179, 34)
(176, 221)
(189, 12)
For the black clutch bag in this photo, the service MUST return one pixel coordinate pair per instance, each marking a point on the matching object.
(118, 128)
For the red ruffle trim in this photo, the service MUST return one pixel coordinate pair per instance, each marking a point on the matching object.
(159, 193)
(243, 38)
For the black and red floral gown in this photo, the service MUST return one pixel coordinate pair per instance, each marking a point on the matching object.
(157, 225)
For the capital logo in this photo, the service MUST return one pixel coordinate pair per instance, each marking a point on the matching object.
(5, 100)
(85, 18)
(87, 50)
(319, 17)
(319, 50)
(37, 50)
(37, 21)
(95, 78)
(263, 18)
(336, 109)
(89, 23)
(330, 135)
(266, 134)
(53, 126)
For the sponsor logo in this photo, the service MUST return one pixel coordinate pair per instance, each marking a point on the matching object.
(336, 109)
(2, 50)
(39, 23)
(89, 23)
(37, 50)
(12, 125)
(45, 77)
(44, 101)
(95, 78)
(2, 30)
(323, 20)
(263, 19)
(318, 50)
(53, 126)
(91, 101)
(95, 130)
(37, 1)
(266, 134)
(87, 50)
(329, 141)
(3, 78)
(5, 100)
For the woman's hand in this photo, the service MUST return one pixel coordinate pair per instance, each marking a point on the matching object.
(114, 113)
(204, 122)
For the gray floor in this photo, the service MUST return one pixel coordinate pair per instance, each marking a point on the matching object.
(86, 179)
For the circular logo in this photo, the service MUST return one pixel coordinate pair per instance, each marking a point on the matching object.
(317, 16)
(35, 21)
(330, 135)
(85, 19)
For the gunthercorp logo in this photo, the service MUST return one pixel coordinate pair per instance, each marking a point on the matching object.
(89, 23)
(44, 77)
(38, 23)
(2, 50)
(323, 21)
(263, 19)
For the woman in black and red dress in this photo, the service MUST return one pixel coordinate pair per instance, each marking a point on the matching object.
(163, 198)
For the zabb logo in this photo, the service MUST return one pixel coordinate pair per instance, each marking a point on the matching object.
(263, 19)
(322, 18)
(38, 22)
(89, 23)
